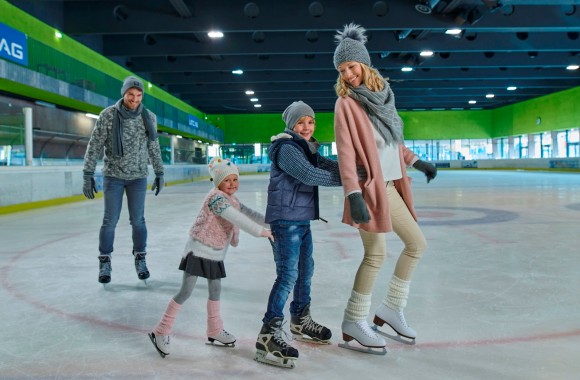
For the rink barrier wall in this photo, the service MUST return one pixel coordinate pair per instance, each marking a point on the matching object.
(25, 188)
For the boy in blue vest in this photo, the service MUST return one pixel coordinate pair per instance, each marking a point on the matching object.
(297, 170)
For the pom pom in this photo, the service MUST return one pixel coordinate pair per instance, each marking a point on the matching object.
(352, 31)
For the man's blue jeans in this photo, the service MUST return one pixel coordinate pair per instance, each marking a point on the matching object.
(113, 190)
(292, 248)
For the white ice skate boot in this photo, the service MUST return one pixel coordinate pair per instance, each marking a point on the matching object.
(225, 338)
(364, 335)
(396, 320)
(161, 343)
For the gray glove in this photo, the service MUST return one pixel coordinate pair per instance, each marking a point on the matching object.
(89, 186)
(429, 169)
(358, 208)
(158, 184)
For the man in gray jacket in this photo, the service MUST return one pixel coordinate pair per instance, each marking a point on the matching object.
(127, 134)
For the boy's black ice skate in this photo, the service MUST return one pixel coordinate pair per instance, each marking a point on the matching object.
(270, 342)
(141, 266)
(104, 269)
(304, 328)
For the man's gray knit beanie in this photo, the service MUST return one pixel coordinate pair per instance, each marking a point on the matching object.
(351, 45)
(294, 112)
(132, 82)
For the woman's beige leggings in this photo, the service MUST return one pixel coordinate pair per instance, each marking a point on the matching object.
(375, 246)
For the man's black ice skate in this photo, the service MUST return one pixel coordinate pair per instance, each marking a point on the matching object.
(271, 343)
(141, 266)
(104, 269)
(304, 328)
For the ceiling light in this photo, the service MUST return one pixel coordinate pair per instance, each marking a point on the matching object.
(249, 92)
(490, 96)
(426, 53)
(406, 68)
(254, 100)
(512, 88)
(57, 34)
(257, 105)
(215, 34)
(92, 115)
(472, 101)
(572, 67)
(453, 31)
(238, 71)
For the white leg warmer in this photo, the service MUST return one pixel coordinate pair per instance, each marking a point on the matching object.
(398, 293)
(358, 307)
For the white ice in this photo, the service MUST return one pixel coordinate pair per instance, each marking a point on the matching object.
(494, 297)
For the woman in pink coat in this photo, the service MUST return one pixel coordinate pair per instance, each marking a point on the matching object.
(369, 137)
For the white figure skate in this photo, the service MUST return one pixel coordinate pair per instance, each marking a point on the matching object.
(395, 319)
(361, 332)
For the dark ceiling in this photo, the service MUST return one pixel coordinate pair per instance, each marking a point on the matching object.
(285, 48)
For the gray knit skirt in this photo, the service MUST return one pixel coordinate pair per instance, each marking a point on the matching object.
(198, 266)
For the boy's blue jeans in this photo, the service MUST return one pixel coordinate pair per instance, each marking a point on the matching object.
(292, 248)
(113, 190)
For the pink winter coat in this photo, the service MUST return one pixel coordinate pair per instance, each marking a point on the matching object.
(356, 146)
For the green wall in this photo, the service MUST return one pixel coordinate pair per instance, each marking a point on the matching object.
(557, 111)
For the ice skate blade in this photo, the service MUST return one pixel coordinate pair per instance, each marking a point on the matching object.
(307, 339)
(398, 338)
(154, 341)
(262, 357)
(217, 343)
(367, 350)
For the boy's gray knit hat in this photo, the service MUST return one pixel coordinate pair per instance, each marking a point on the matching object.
(132, 82)
(294, 112)
(351, 45)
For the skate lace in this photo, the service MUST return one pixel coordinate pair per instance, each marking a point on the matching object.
(366, 329)
(278, 338)
(105, 267)
(309, 325)
(140, 263)
(402, 318)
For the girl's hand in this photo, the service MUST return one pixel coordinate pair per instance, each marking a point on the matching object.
(267, 234)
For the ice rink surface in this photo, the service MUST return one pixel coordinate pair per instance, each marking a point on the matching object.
(496, 295)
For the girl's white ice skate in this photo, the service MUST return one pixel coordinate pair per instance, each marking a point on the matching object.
(161, 343)
(223, 339)
(396, 320)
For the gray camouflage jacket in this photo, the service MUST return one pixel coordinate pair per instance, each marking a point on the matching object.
(138, 150)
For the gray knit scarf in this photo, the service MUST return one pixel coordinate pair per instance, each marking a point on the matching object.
(124, 113)
(380, 107)
(313, 144)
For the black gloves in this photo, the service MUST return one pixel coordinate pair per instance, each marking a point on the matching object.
(358, 208)
(427, 168)
(158, 184)
(89, 186)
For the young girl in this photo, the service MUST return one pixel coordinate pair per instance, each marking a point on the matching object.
(215, 229)
(369, 135)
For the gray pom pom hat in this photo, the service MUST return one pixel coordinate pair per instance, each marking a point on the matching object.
(351, 45)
